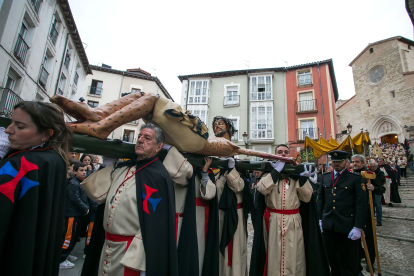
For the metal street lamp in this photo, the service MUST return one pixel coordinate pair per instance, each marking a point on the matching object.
(349, 127)
(245, 140)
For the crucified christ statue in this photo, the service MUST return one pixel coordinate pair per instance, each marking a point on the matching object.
(181, 129)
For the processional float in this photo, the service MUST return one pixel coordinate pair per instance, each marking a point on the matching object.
(181, 129)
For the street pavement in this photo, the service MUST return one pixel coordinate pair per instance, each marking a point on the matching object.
(78, 252)
(395, 237)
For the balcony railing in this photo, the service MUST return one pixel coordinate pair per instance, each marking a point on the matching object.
(36, 5)
(20, 50)
(312, 133)
(7, 102)
(53, 34)
(306, 106)
(95, 90)
(231, 100)
(44, 75)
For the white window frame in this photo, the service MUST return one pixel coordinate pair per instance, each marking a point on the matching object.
(261, 96)
(13, 82)
(134, 86)
(262, 148)
(304, 105)
(301, 72)
(199, 109)
(236, 136)
(193, 98)
(302, 136)
(231, 102)
(255, 131)
(61, 85)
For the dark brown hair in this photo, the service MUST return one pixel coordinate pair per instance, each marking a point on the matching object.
(48, 116)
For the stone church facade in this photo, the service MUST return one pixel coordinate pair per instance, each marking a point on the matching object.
(384, 92)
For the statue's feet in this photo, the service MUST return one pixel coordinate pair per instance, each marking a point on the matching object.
(134, 110)
(83, 112)
(80, 111)
(96, 129)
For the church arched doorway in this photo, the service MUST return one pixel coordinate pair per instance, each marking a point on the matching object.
(389, 139)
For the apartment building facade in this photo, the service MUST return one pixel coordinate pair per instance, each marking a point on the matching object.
(268, 106)
(107, 84)
(312, 92)
(41, 52)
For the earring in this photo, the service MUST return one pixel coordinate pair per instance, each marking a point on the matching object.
(43, 139)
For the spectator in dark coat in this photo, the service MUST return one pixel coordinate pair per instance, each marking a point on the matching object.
(76, 206)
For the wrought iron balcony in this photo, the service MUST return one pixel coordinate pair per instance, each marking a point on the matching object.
(95, 90)
(44, 75)
(308, 106)
(21, 49)
(7, 102)
(312, 133)
(232, 100)
(36, 5)
(53, 34)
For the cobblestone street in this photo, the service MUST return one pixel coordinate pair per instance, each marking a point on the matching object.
(395, 237)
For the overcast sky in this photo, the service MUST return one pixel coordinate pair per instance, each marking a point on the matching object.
(189, 37)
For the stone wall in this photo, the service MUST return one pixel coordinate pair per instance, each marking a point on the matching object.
(386, 106)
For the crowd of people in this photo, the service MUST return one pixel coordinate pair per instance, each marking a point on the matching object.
(148, 216)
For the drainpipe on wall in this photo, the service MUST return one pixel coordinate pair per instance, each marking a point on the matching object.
(320, 89)
(248, 106)
(61, 62)
(323, 114)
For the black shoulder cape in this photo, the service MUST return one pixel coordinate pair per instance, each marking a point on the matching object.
(32, 202)
(228, 204)
(394, 194)
(316, 260)
(187, 249)
(156, 211)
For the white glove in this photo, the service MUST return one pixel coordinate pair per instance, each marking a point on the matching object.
(314, 178)
(355, 234)
(278, 166)
(231, 163)
(308, 172)
(166, 147)
(320, 225)
(4, 142)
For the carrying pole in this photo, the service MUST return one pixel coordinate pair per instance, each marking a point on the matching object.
(366, 253)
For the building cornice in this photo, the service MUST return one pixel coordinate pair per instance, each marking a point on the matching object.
(224, 74)
(345, 102)
(133, 75)
(399, 38)
(70, 23)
